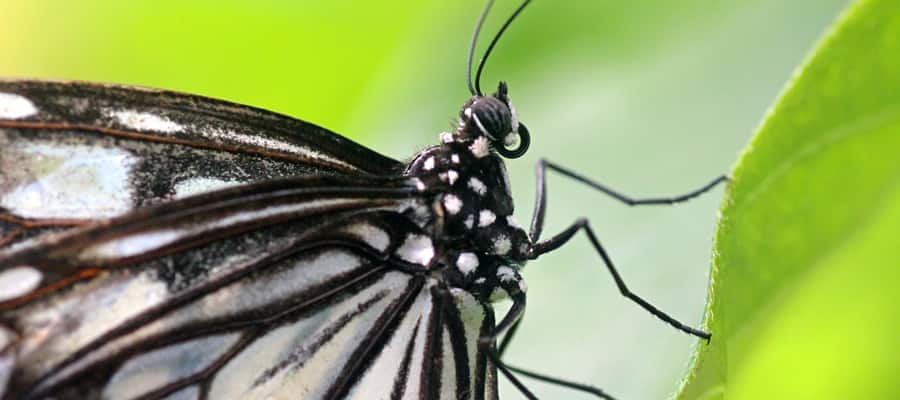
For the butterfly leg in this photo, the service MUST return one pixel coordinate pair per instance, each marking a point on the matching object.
(509, 320)
(541, 377)
(582, 224)
(537, 221)
(509, 324)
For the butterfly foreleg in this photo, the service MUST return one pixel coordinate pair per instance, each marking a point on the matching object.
(537, 221)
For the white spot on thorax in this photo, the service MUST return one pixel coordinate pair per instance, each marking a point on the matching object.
(420, 186)
(416, 249)
(18, 281)
(454, 158)
(486, 217)
(144, 121)
(419, 210)
(506, 274)
(429, 164)
(478, 186)
(511, 221)
(452, 176)
(480, 147)
(467, 262)
(502, 245)
(452, 203)
(13, 106)
(446, 137)
(470, 221)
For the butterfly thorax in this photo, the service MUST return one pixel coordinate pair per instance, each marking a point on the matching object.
(471, 214)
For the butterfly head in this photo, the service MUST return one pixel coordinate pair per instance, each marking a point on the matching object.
(494, 119)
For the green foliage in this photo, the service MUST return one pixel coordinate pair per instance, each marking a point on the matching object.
(803, 292)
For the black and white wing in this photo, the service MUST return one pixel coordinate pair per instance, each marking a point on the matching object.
(316, 286)
(72, 152)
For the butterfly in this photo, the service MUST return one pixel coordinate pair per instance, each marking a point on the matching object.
(158, 245)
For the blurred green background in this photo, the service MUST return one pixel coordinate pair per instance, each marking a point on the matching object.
(651, 97)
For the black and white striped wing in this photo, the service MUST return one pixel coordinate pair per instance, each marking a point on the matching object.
(73, 151)
(182, 262)
(279, 312)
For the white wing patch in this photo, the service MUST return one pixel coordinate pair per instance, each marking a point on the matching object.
(188, 393)
(471, 312)
(199, 185)
(413, 386)
(13, 106)
(73, 321)
(380, 377)
(65, 181)
(138, 242)
(144, 121)
(370, 234)
(132, 245)
(448, 368)
(7, 356)
(303, 359)
(18, 281)
(218, 134)
(155, 369)
(299, 277)
(278, 286)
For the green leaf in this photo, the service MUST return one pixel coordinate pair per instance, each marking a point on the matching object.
(804, 298)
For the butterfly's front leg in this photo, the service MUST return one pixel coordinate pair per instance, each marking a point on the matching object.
(540, 206)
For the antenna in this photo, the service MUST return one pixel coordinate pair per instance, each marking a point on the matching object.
(478, 25)
(493, 42)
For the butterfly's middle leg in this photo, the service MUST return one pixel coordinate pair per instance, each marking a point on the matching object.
(507, 339)
(509, 324)
(582, 224)
(487, 342)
